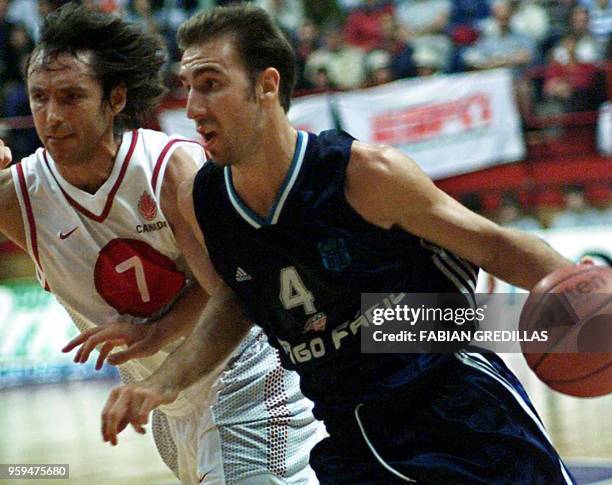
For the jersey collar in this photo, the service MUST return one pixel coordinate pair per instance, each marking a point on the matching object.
(245, 212)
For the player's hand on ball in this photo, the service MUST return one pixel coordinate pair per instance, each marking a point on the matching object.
(6, 157)
(132, 404)
(141, 340)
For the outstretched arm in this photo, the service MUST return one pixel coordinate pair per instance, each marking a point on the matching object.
(146, 340)
(221, 328)
(141, 340)
(388, 189)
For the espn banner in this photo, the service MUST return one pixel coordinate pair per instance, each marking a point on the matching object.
(448, 124)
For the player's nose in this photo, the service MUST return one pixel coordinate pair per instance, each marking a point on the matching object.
(196, 106)
(54, 114)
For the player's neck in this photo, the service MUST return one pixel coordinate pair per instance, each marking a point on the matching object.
(90, 174)
(259, 180)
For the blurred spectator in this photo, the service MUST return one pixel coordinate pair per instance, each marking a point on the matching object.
(427, 63)
(288, 14)
(324, 12)
(141, 12)
(530, 19)
(500, 46)
(604, 130)
(587, 48)
(321, 82)
(577, 211)
(393, 42)
(559, 12)
(465, 24)
(378, 68)
(345, 65)
(25, 12)
(18, 46)
(15, 100)
(469, 12)
(425, 23)
(306, 43)
(570, 85)
(600, 21)
(363, 25)
(511, 215)
(473, 201)
(5, 31)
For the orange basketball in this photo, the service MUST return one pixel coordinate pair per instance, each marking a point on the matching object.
(574, 306)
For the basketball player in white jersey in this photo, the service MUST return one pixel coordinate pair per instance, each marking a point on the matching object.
(96, 210)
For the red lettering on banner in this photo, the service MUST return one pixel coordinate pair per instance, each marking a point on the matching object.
(423, 122)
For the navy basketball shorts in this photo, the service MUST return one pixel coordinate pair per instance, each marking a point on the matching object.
(470, 424)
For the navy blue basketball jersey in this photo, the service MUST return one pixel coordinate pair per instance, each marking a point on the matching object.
(300, 273)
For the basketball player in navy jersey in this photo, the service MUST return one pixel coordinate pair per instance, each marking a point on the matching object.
(298, 226)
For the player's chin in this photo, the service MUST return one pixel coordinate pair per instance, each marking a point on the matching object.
(63, 151)
(219, 159)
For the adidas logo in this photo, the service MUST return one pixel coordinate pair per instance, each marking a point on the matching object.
(242, 275)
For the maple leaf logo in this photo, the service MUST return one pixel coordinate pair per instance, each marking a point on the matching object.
(147, 206)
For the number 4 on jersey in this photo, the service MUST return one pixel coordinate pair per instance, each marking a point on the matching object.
(293, 293)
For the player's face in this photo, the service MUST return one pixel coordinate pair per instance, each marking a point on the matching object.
(70, 116)
(222, 100)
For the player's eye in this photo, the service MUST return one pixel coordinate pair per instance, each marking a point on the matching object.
(211, 83)
(38, 97)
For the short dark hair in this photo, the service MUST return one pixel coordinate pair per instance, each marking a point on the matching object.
(122, 54)
(259, 42)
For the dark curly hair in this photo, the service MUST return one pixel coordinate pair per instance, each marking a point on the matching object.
(122, 54)
(259, 42)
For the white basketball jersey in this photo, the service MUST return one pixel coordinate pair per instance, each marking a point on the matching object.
(109, 255)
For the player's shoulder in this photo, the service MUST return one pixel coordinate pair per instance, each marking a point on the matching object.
(29, 170)
(151, 140)
(331, 144)
(8, 193)
(32, 161)
(6, 185)
(147, 136)
(377, 175)
(369, 163)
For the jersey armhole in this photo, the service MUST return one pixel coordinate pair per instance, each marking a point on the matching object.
(28, 220)
(192, 147)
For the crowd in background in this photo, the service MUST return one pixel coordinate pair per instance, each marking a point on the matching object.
(348, 44)
(577, 211)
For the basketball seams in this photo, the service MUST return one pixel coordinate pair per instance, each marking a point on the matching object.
(572, 275)
(578, 379)
(538, 306)
(559, 341)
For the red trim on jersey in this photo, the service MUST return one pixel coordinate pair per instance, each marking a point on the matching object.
(31, 221)
(111, 195)
(162, 156)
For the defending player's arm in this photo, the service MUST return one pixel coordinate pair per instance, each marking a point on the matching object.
(388, 189)
(221, 328)
(11, 224)
(146, 340)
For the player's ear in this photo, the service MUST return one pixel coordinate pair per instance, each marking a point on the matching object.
(118, 98)
(269, 82)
